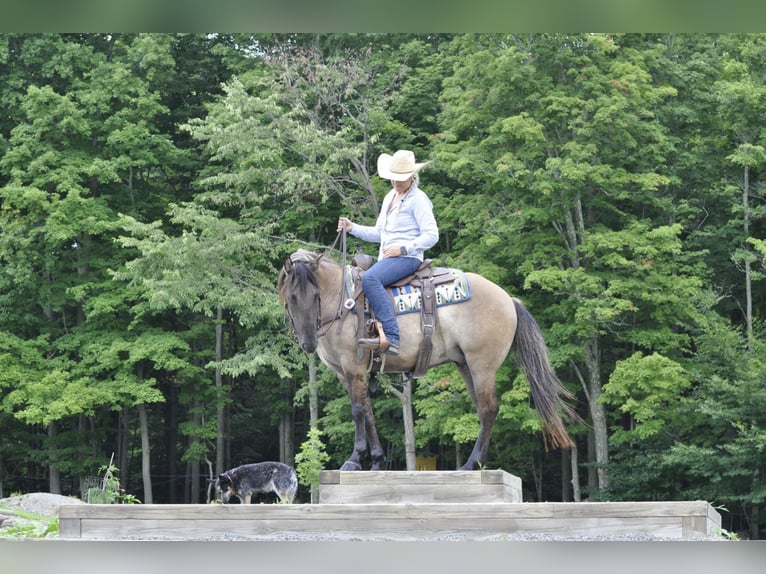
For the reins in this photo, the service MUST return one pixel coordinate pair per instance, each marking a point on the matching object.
(330, 319)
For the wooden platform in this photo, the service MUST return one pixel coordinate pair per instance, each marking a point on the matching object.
(479, 505)
(400, 521)
(387, 487)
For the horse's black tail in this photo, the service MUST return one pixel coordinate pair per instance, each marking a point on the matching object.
(550, 396)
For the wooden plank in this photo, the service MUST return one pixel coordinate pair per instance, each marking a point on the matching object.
(681, 508)
(413, 494)
(404, 477)
(71, 527)
(388, 528)
(329, 477)
(340, 487)
(559, 510)
(476, 521)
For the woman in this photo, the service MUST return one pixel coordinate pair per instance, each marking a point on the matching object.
(405, 228)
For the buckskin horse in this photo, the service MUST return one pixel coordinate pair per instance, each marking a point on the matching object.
(476, 335)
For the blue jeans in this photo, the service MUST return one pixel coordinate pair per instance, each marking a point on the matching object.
(374, 281)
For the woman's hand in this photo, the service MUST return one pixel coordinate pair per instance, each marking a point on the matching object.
(344, 223)
(392, 251)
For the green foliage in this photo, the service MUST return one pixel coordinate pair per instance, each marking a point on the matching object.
(311, 458)
(30, 525)
(445, 412)
(647, 388)
(149, 182)
(109, 491)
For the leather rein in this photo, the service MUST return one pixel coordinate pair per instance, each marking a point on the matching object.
(342, 307)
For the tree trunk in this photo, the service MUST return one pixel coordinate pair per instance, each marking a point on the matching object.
(748, 278)
(566, 476)
(405, 396)
(286, 446)
(591, 384)
(409, 425)
(122, 447)
(54, 475)
(195, 482)
(754, 534)
(592, 475)
(146, 472)
(537, 476)
(194, 466)
(219, 408)
(575, 474)
(171, 439)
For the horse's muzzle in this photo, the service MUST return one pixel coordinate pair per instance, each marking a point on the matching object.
(309, 346)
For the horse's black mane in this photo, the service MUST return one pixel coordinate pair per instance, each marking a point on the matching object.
(303, 273)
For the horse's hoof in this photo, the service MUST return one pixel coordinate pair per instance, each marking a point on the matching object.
(351, 465)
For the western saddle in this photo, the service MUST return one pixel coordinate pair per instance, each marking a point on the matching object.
(425, 278)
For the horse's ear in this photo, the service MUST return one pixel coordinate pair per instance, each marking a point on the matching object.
(315, 262)
(288, 265)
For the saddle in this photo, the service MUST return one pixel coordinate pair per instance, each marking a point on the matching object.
(426, 278)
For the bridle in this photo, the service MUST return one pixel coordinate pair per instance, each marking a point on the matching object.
(328, 320)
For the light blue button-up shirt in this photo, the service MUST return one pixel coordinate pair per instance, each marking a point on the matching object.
(410, 222)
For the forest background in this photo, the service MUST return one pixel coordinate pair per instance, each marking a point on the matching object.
(152, 184)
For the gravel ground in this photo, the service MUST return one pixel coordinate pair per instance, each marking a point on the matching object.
(42, 503)
(293, 537)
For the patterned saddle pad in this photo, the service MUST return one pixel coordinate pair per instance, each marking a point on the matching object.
(408, 298)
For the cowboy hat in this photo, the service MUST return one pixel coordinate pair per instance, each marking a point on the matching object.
(400, 166)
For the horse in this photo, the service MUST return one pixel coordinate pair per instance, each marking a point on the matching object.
(476, 335)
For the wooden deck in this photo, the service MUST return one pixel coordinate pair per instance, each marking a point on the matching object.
(396, 506)
(399, 521)
(385, 487)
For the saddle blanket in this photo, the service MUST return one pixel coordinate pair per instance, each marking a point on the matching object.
(407, 299)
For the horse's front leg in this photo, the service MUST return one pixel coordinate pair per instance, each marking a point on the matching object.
(361, 413)
(354, 462)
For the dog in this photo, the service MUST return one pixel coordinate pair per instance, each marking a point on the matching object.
(248, 479)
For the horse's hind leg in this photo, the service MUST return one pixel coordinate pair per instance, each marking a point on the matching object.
(481, 387)
(376, 450)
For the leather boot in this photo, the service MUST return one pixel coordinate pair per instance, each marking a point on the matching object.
(375, 343)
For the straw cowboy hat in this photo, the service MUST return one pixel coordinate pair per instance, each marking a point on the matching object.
(400, 166)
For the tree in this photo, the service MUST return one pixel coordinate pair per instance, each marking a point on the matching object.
(203, 269)
(544, 168)
(84, 140)
(310, 460)
(76, 138)
(293, 138)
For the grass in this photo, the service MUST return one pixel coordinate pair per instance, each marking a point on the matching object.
(30, 525)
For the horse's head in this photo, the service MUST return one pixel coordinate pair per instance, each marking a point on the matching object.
(299, 291)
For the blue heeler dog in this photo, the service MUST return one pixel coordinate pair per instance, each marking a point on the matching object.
(248, 479)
